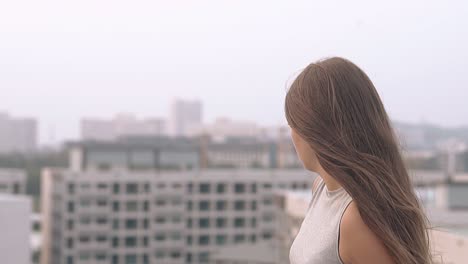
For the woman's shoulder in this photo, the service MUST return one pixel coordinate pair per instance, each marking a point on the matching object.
(358, 242)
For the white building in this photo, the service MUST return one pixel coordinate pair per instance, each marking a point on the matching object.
(17, 134)
(186, 117)
(122, 216)
(121, 126)
(12, 181)
(223, 128)
(15, 229)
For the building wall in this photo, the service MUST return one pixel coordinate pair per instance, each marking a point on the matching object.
(12, 181)
(17, 134)
(15, 229)
(180, 216)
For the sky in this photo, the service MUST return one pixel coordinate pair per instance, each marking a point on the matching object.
(61, 61)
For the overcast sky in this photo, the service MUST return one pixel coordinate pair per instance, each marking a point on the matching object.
(63, 60)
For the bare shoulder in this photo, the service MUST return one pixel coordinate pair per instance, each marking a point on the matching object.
(357, 243)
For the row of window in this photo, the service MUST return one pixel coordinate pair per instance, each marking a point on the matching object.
(203, 205)
(204, 187)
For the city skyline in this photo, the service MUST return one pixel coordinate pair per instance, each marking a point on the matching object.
(134, 58)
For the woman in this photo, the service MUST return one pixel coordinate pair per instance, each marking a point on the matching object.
(363, 209)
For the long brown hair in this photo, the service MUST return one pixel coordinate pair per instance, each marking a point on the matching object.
(334, 106)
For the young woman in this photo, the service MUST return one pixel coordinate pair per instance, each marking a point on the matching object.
(363, 209)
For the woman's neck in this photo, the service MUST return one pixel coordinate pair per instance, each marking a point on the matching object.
(329, 181)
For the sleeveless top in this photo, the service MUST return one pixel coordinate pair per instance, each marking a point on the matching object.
(317, 240)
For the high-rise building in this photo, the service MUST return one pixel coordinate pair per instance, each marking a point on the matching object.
(17, 134)
(12, 181)
(186, 117)
(121, 126)
(122, 216)
(15, 228)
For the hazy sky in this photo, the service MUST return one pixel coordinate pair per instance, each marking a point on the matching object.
(62, 60)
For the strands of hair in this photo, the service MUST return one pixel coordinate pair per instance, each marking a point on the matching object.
(335, 107)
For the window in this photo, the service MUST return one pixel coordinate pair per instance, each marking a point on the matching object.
(115, 206)
(221, 239)
(253, 222)
(239, 238)
(131, 224)
(85, 203)
(253, 205)
(267, 186)
(221, 222)
(239, 188)
(144, 241)
(239, 205)
(204, 240)
(132, 188)
(85, 220)
(160, 237)
(189, 205)
(267, 201)
(145, 223)
(131, 259)
(175, 254)
(101, 239)
(101, 220)
(221, 205)
(160, 202)
(130, 241)
(239, 222)
(84, 239)
(115, 224)
(100, 256)
(204, 188)
(71, 207)
(160, 254)
(204, 222)
(146, 187)
(268, 217)
(189, 240)
(132, 206)
(221, 188)
(115, 259)
(71, 188)
(253, 238)
(145, 206)
(115, 242)
(189, 188)
(204, 205)
(116, 188)
(203, 257)
(70, 224)
(70, 242)
(189, 222)
(267, 235)
(253, 187)
(102, 203)
(102, 186)
(176, 236)
(160, 220)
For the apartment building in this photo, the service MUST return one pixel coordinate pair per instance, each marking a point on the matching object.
(12, 181)
(122, 216)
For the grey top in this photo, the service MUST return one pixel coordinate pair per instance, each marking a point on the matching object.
(317, 240)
